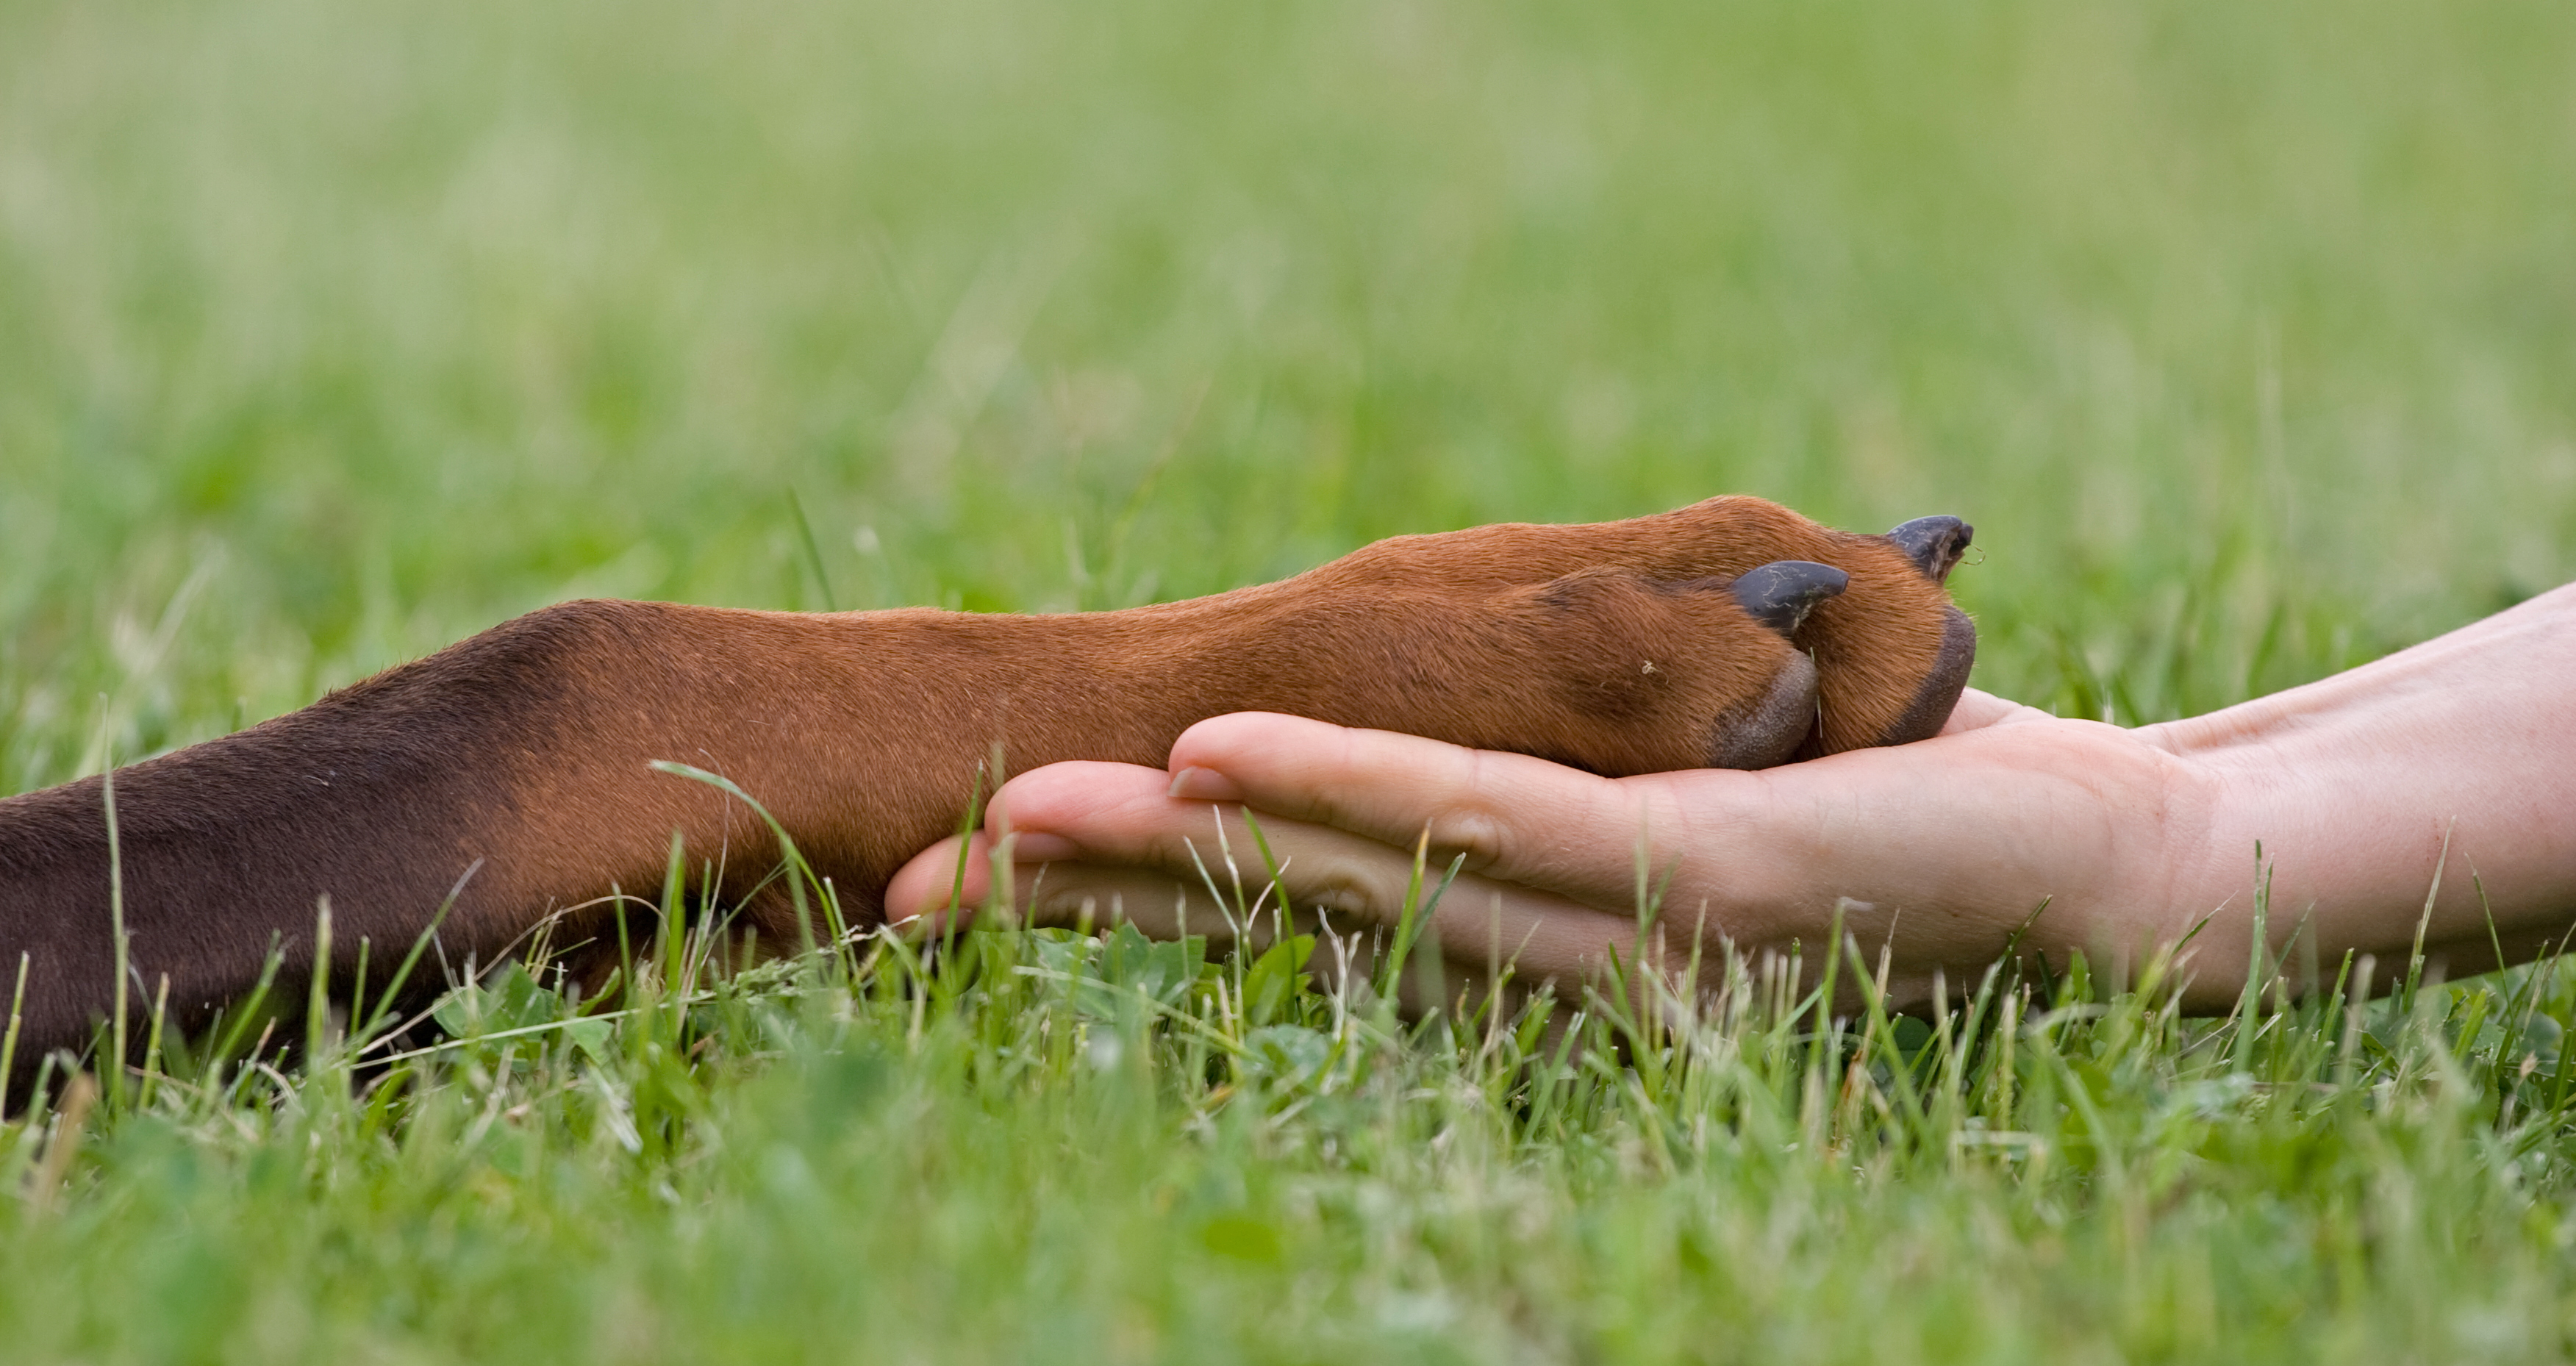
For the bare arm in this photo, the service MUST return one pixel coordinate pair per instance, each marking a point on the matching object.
(1940, 849)
(2354, 784)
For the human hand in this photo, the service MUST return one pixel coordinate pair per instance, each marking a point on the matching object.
(1940, 850)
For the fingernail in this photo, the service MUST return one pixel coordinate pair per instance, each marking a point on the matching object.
(1030, 846)
(1204, 785)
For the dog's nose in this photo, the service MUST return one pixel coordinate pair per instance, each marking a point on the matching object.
(1781, 594)
(1934, 544)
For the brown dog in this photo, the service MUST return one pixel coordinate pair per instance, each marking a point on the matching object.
(1734, 633)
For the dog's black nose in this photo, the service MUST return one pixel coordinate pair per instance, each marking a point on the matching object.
(1781, 594)
(1934, 544)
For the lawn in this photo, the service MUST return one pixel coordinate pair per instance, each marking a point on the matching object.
(331, 332)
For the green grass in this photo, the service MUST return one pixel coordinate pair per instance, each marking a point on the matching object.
(332, 332)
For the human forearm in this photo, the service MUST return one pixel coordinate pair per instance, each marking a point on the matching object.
(2457, 756)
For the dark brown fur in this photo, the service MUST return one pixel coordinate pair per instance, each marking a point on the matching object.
(523, 754)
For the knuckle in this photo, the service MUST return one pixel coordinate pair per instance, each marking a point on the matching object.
(1367, 889)
(1053, 902)
(1474, 830)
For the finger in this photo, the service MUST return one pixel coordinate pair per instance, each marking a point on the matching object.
(1118, 816)
(1985, 711)
(1977, 710)
(1114, 816)
(938, 878)
(1480, 928)
(1526, 945)
(1516, 818)
(1126, 852)
(1099, 896)
(1215, 862)
(937, 886)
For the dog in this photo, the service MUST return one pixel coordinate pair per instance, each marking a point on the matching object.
(513, 775)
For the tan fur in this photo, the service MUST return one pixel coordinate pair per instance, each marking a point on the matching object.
(524, 753)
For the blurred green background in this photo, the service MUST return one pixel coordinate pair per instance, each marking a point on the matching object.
(333, 330)
(330, 332)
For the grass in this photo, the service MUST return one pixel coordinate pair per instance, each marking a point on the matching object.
(329, 333)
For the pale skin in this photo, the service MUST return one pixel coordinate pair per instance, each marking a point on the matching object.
(2456, 756)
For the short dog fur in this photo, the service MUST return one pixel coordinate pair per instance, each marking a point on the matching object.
(1732, 633)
